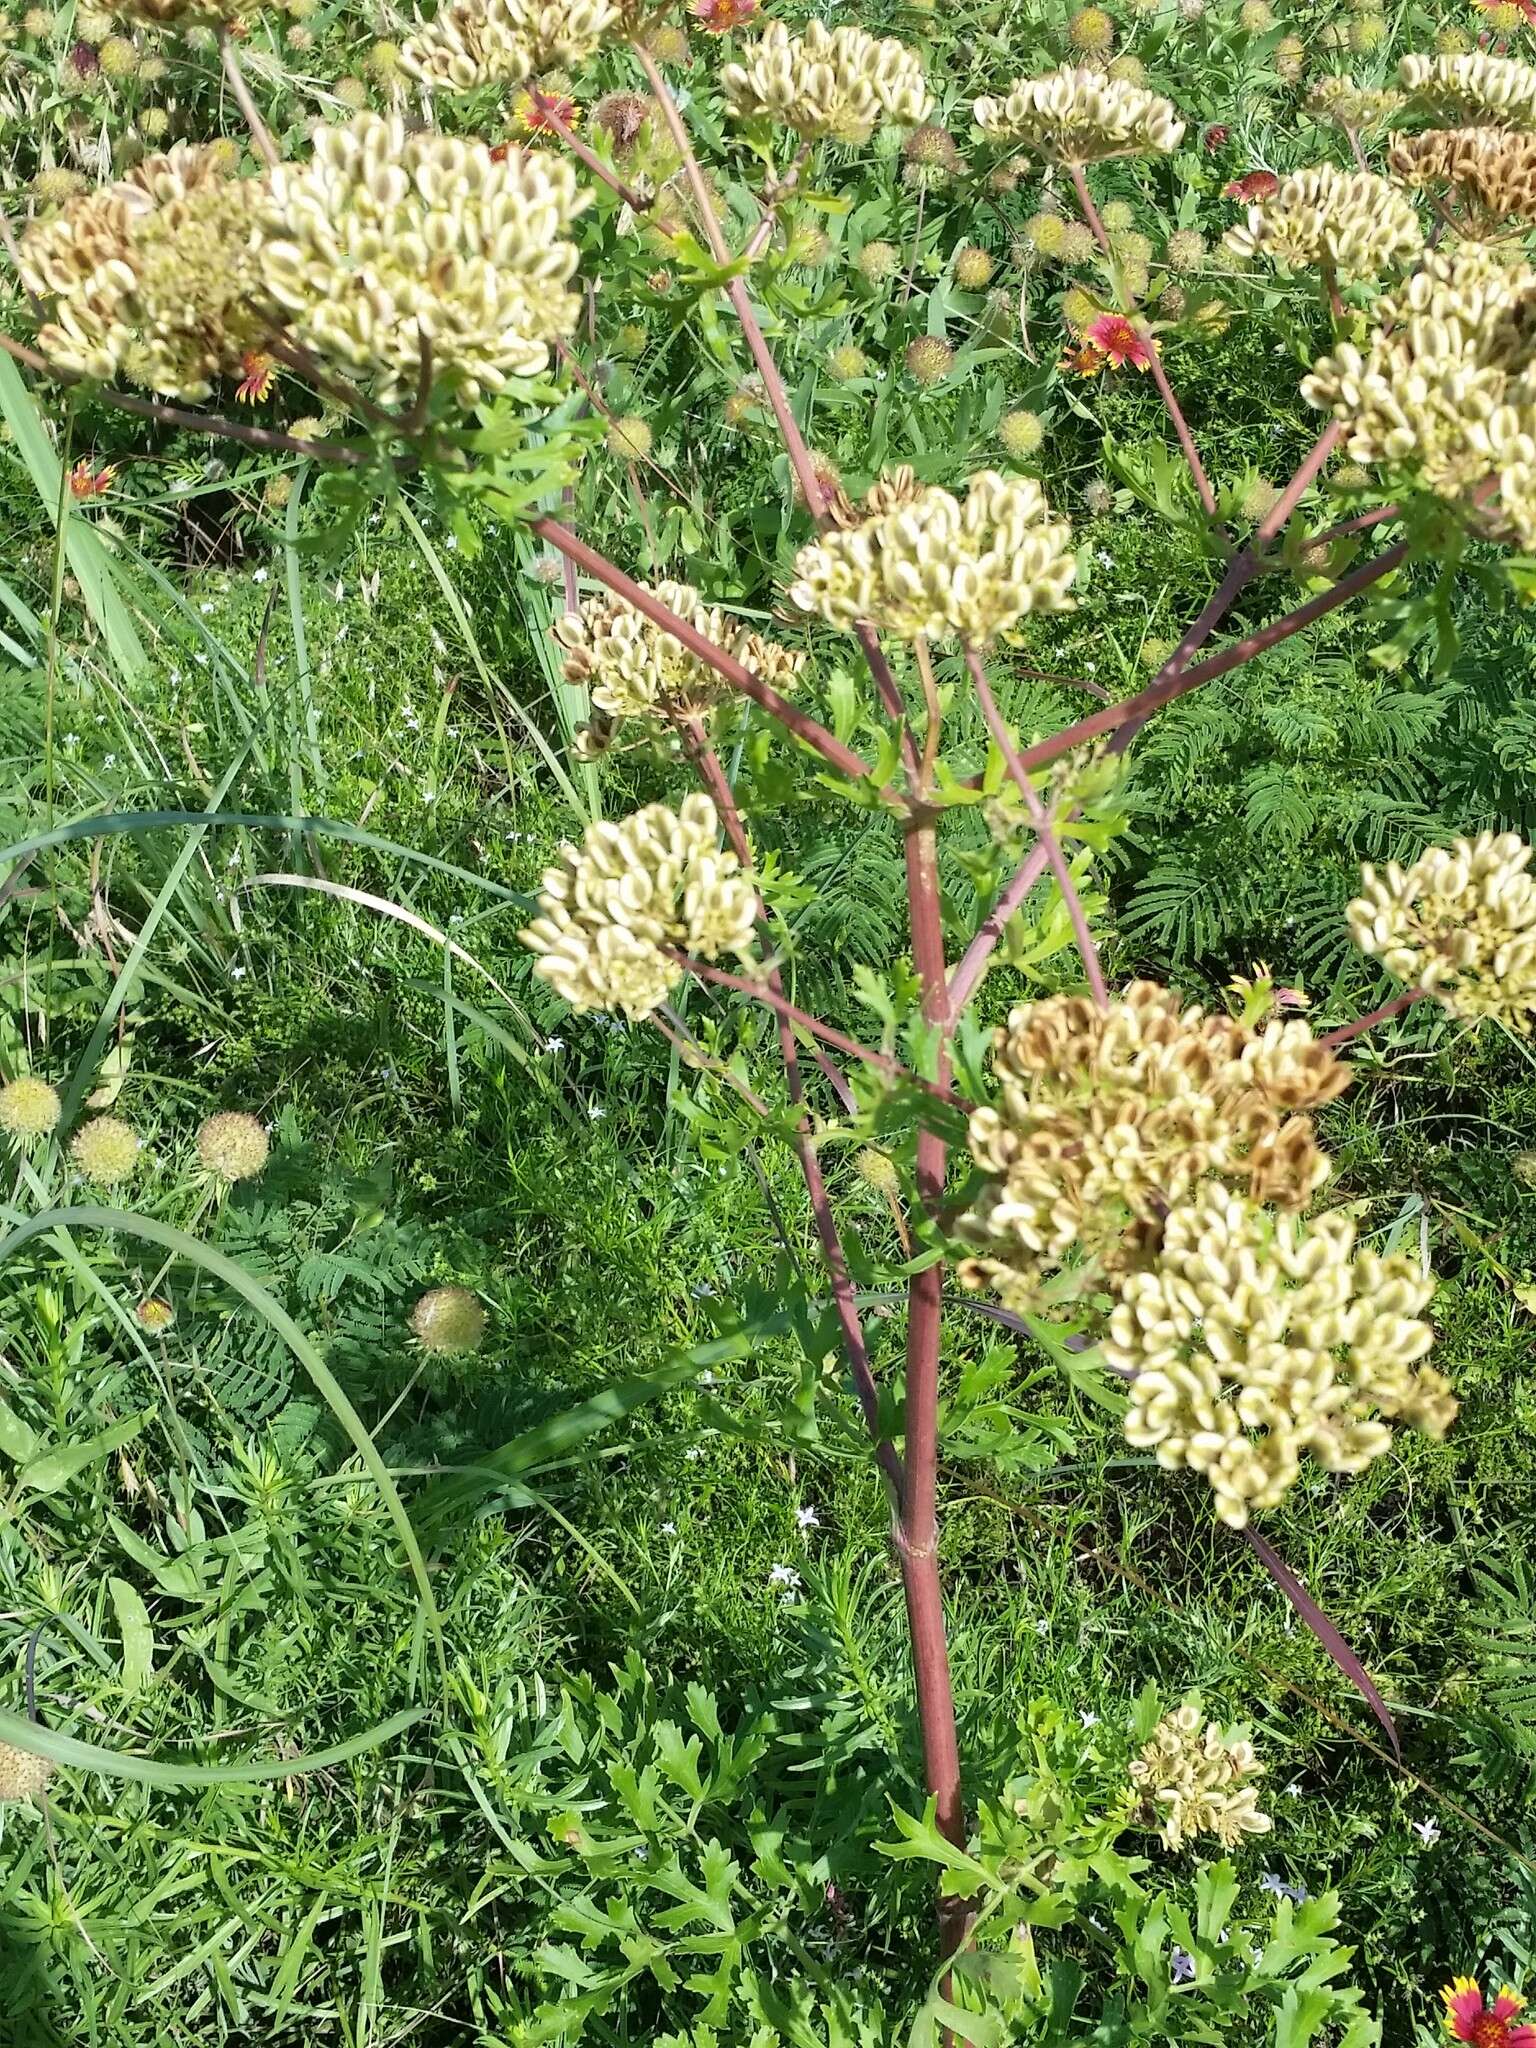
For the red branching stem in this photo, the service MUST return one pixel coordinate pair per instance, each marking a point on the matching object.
(1275, 518)
(1159, 375)
(266, 148)
(973, 961)
(800, 723)
(589, 157)
(1044, 829)
(1359, 524)
(1374, 1017)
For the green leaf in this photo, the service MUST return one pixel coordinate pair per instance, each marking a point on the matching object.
(17, 1439)
(138, 1637)
(55, 1468)
(71, 1754)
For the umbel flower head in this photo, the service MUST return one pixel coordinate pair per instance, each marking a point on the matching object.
(936, 565)
(832, 84)
(1255, 1338)
(656, 880)
(1487, 174)
(1443, 394)
(1192, 1778)
(233, 1145)
(156, 278)
(1498, 91)
(1460, 923)
(29, 1108)
(182, 13)
(1352, 221)
(470, 43)
(636, 669)
(106, 1150)
(388, 240)
(447, 1320)
(1105, 1119)
(1076, 116)
(1468, 2017)
(23, 1776)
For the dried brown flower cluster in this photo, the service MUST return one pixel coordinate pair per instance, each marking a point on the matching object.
(388, 240)
(1443, 396)
(1487, 174)
(156, 278)
(183, 13)
(1254, 1339)
(1352, 222)
(1460, 923)
(658, 879)
(470, 43)
(1500, 91)
(827, 83)
(1105, 1119)
(1193, 1779)
(636, 669)
(921, 561)
(1077, 116)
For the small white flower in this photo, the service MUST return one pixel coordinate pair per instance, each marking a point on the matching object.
(237, 973)
(1427, 1832)
(595, 1110)
(786, 1578)
(669, 1528)
(429, 796)
(110, 761)
(706, 1378)
(340, 591)
(554, 1045)
(175, 675)
(1295, 1789)
(71, 739)
(1088, 1718)
(205, 607)
(807, 1518)
(1042, 1628)
(693, 1454)
(258, 575)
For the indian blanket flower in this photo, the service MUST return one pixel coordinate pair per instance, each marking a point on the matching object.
(1079, 116)
(258, 373)
(536, 114)
(156, 278)
(1251, 187)
(656, 880)
(470, 43)
(1442, 393)
(1103, 1120)
(1469, 2018)
(1193, 1778)
(827, 83)
(1459, 923)
(1253, 1340)
(1497, 91)
(1084, 361)
(390, 245)
(85, 482)
(636, 669)
(926, 562)
(719, 17)
(1352, 222)
(1119, 341)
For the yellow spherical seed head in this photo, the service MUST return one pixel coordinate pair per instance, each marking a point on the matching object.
(277, 492)
(1290, 58)
(630, 341)
(929, 359)
(118, 58)
(877, 1170)
(1091, 32)
(29, 1108)
(669, 45)
(352, 92)
(1256, 17)
(629, 438)
(154, 1315)
(1020, 434)
(1452, 42)
(1079, 309)
(105, 1150)
(1078, 244)
(448, 1320)
(1186, 249)
(1368, 32)
(232, 1145)
(878, 261)
(154, 124)
(1046, 234)
(382, 63)
(1155, 651)
(1117, 215)
(37, 22)
(56, 186)
(973, 268)
(846, 362)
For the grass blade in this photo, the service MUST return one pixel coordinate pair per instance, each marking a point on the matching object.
(72, 1754)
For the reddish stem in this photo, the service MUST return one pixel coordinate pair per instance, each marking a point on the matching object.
(1372, 1018)
(973, 962)
(1043, 829)
(266, 148)
(589, 157)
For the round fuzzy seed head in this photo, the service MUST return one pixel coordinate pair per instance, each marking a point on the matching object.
(669, 45)
(154, 124)
(1003, 179)
(117, 58)
(1091, 32)
(29, 1108)
(1173, 302)
(224, 155)
(448, 1319)
(1098, 498)
(846, 362)
(1127, 70)
(1349, 476)
(1367, 32)
(630, 341)
(37, 22)
(630, 438)
(1256, 17)
(622, 116)
(973, 268)
(310, 428)
(154, 1315)
(105, 1150)
(1191, 10)
(878, 261)
(929, 360)
(1079, 309)
(93, 24)
(233, 1145)
(1077, 243)
(1290, 58)
(877, 1170)
(1523, 1167)
(933, 147)
(1046, 234)
(56, 186)
(382, 63)
(22, 1775)
(1117, 215)
(1020, 434)
(1452, 42)
(352, 93)
(1260, 499)
(826, 472)
(276, 493)
(1154, 651)
(1186, 249)
(301, 39)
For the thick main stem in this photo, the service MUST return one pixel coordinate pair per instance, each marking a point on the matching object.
(266, 148)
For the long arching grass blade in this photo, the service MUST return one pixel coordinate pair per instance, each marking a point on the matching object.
(73, 1754)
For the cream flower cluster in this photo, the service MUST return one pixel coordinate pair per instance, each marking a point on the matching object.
(937, 566)
(1444, 393)
(387, 240)
(1498, 90)
(1192, 1779)
(1254, 1339)
(636, 669)
(156, 278)
(1354, 222)
(1104, 1119)
(1461, 923)
(657, 879)
(1078, 116)
(1490, 172)
(470, 43)
(831, 83)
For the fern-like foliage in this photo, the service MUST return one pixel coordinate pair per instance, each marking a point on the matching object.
(1503, 1629)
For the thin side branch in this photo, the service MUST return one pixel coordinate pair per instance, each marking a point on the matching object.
(261, 135)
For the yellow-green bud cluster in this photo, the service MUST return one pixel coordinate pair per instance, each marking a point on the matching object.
(1353, 222)
(1459, 923)
(1499, 91)
(1193, 1779)
(827, 83)
(470, 43)
(636, 669)
(1079, 116)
